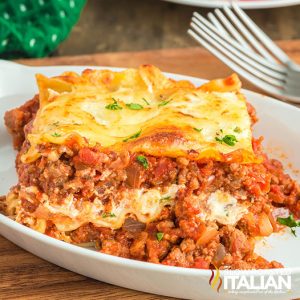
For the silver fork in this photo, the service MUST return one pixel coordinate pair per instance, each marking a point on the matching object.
(236, 40)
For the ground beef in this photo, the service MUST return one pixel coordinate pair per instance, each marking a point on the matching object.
(81, 172)
(283, 189)
(84, 234)
(177, 237)
(16, 119)
(252, 113)
(2, 204)
(235, 241)
(138, 246)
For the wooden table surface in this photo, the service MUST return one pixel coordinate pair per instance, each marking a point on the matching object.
(25, 276)
(135, 25)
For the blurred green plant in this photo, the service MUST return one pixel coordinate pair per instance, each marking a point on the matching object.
(34, 28)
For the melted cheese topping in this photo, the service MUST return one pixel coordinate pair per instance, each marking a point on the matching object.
(184, 119)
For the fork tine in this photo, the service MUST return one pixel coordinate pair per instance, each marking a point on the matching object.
(229, 62)
(251, 39)
(263, 38)
(216, 22)
(231, 29)
(275, 70)
(257, 69)
(236, 56)
(263, 63)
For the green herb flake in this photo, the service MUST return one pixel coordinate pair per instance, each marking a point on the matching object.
(146, 101)
(134, 106)
(159, 236)
(228, 139)
(237, 129)
(289, 222)
(143, 161)
(134, 136)
(163, 103)
(114, 105)
(108, 215)
(55, 134)
(198, 129)
(164, 199)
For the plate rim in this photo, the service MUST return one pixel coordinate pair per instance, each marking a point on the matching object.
(245, 5)
(131, 263)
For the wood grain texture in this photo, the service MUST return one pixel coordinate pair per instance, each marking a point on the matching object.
(25, 276)
(135, 25)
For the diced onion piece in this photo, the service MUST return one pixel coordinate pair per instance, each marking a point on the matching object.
(86, 245)
(273, 222)
(219, 255)
(280, 212)
(134, 176)
(264, 225)
(132, 225)
(207, 234)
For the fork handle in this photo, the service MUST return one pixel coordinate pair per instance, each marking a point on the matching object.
(295, 67)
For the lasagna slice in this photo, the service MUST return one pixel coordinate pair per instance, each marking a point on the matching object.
(145, 167)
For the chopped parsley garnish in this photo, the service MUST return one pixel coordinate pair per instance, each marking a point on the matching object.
(159, 236)
(134, 136)
(146, 101)
(163, 199)
(55, 134)
(289, 222)
(110, 215)
(163, 103)
(198, 129)
(114, 105)
(134, 106)
(237, 129)
(143, 161)
(228, 139)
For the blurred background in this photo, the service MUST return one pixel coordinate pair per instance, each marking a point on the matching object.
(132, 25)
(93, 26)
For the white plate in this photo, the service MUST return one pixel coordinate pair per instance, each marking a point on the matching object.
(280, 125)
(246, 4)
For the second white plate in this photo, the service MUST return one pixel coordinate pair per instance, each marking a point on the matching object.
(246, 4)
